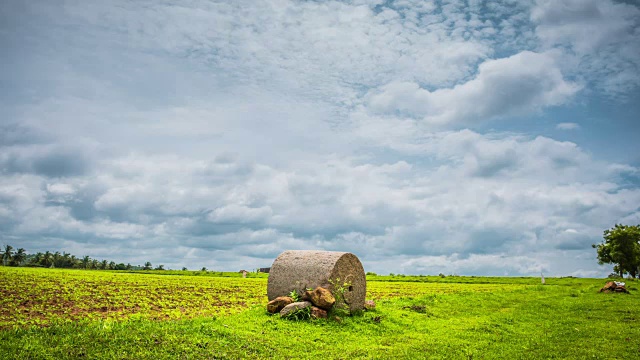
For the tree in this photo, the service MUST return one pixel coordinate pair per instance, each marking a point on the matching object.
(37, 258)
(7, 254)
(147, 266)
(18, 257)
(47, 259)
(160, 267)
(85, 262)
(621, 247)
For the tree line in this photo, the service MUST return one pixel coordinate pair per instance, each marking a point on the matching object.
(19, 257)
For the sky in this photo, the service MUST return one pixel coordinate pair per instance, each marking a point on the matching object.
(457, 137)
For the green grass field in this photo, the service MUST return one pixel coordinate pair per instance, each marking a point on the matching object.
(59, 314)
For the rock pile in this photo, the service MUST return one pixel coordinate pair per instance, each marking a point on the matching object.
(319, 302)
(614, 286)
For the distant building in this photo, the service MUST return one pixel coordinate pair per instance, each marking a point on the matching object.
(265, 270)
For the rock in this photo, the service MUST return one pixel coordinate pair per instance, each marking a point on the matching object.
(318, 313)
(369, 304)
(612, 286)
(321, 298)
(302, 269)
(296, 306)
(278, 304)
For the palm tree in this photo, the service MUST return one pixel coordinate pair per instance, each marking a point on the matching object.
(85, 262)
(128, 267)
(7, 254)
(147, 266)
(74, 262)
(47, 259)
(56, 259)
(65, 260)
(104, 264)
(37, 258)
(94, 263)
(18, 257)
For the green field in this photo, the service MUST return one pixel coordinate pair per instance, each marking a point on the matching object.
(56, 314)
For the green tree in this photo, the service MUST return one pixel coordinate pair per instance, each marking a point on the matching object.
(147, 266)
(7, 254)
(160, 267)
(47, 259)
(85, 262)
(621, 247)
(37, 258)
(18, 257)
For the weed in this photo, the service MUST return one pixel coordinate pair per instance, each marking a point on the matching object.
(294, 295)
(300, 314)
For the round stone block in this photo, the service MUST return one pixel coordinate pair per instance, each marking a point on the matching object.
(300, 270)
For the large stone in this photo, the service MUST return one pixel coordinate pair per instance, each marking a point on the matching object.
(339, 272)
(318, 313)
(278, 304)
(321, 298)
(296, 306)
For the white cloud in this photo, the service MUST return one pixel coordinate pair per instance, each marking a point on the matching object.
(517, 85)
(567, 126)
(585, 25)
(601, 36)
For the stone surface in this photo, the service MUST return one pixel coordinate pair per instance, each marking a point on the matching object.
(322, 298)
(318, 313)
(303, 269)
(278, 304)
(611, 286)
(294, 307)
(369, 304)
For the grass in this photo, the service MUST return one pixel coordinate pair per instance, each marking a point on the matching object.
(479, 318)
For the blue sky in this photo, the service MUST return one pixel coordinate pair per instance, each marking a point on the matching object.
(462, 137)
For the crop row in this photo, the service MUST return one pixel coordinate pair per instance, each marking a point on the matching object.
(42, 296)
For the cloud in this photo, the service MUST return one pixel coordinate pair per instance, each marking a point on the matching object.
(585, 25)
(601, 38)
(219, 134)
(567, 126)
(53, 161)
(376, 210)
(523, 83)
